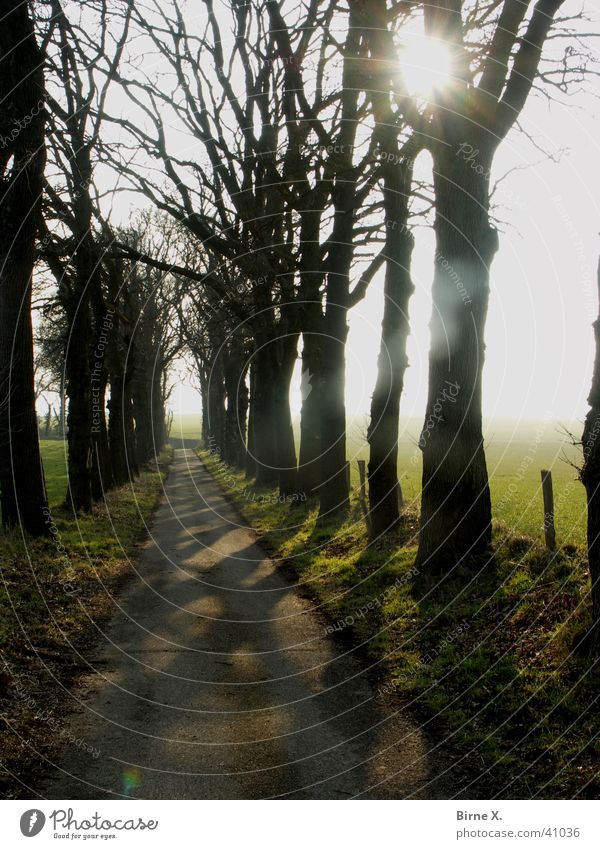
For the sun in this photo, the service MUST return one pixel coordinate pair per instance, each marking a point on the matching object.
(426, 66)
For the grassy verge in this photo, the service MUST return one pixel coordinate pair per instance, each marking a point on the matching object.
(486, 658)
(54, 594)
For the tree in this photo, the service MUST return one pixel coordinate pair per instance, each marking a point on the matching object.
(257, 196)
(467, 121)
(74, 251)
(397, 171)
(22, 161)
(590, 477)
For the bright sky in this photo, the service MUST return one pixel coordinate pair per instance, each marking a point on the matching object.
(544, 293)
(543, 283)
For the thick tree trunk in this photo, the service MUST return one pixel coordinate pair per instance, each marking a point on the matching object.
(235, 369)
(456, 508)
(286, 447)
(590, 477)
(263, 413)
(159, 412)
(309, 470)
(250, 458)
(216, 407)
(22, 160)
(117, 438)
(80, 413)
(105, 342)
(102, 470)
(384, 487)
(334, 490)
(142, 411)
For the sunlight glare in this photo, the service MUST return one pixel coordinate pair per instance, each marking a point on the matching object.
(426, 66)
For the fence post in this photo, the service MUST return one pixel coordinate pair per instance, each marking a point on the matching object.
(549, 529)
(362, 494)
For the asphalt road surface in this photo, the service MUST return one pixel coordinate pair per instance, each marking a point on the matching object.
(216, 680)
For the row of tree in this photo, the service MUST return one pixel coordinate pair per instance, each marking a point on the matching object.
(277, 144)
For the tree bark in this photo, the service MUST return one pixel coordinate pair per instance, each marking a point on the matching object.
(334, 491)
(590, 477)
(22, 160)
(79, 411)
(235, 369)
(384, 486)
(455, 508)
(286, 448)
(263, 413)
(309, 469)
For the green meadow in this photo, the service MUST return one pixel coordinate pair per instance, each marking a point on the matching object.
(516, 454)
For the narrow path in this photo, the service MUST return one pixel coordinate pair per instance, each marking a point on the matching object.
(215, 680)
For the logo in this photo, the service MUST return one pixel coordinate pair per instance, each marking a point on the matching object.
(32, 822)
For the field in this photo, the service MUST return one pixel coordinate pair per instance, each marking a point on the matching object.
(54, 458)
(516, 453)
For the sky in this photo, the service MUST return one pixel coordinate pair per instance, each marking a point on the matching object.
(543, 281)
(539, 339)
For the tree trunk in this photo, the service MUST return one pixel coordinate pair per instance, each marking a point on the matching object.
(590, 477)
(334, 491)
(286, 448)
(263, 413)
(80, 414)
(455, 508)
(105, 342)
(384, 487)
(216, 406)
(309, 470)
(102, 470)
(250, 458)
(235, 369)
(159, 413)
(22, 160)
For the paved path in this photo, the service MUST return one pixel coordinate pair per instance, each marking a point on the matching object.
(216, 680)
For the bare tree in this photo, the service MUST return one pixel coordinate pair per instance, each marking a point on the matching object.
(22, 159)
(77, 50)
(466, 122)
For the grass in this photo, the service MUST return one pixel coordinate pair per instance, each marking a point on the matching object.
(516, 453)
(54, 458)
(487, 658)
(53, 596)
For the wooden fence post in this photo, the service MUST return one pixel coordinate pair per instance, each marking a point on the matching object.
(549, 529)
(362, 493)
